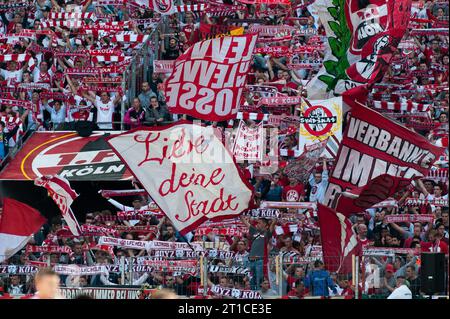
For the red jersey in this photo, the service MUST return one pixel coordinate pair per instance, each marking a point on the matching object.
(438, 246)
(293, 193)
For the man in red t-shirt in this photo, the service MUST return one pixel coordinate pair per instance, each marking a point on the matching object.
(299, 290)
(435, 245)
(294, 192)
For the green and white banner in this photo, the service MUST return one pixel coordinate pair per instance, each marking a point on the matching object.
(362, 36)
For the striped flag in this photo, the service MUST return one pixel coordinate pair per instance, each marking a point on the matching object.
(332, 146)
(61, 193)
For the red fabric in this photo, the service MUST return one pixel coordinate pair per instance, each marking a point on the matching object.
(222, 93)
(376, 191)
(293, 193)
(353, 148)
(339, 242)
(19, 219)
(441, 246)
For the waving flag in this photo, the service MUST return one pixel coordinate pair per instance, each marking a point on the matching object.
(18, 223)
(373, 145)
(376, 191)
(208, 80)
(197, 180)
(339, 242)
(59, 190)
(362, 36)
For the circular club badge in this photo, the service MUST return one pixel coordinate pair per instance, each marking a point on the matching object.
(318, 120)
(162, 6)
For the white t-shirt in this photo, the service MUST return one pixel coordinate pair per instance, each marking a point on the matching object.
(12, 77)
(401, 292)
(37, 75)
(105, 113)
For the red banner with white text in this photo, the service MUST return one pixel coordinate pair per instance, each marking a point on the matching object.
(209, 78)
(373, 145)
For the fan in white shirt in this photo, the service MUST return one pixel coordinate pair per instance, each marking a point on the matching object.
(105, 108)
(11, 74)
(437, 193)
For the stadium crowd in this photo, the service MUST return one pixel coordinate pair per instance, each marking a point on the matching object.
(52, 68)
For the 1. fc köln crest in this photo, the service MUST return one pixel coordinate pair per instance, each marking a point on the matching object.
(366, 21)
(320, 120)
(163, 6)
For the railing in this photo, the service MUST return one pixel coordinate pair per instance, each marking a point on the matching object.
(139, 70)
(286, 276)
(218, 278)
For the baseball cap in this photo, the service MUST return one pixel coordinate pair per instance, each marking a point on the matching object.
(389, 268)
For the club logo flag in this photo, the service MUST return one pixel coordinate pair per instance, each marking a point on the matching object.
(163, 7)
(209, 78)
(339, 242)
(362, 37)
(187, 171)
(249, 142)
(373, 145)
(320, 120)
(59, 190)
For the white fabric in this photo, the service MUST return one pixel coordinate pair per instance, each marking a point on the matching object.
(401, 292)
(10, 244)
(12, 77)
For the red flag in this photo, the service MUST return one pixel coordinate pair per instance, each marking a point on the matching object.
(373, 145)
(376, 191)
(17, 224)
(208, 80)
(339, 242)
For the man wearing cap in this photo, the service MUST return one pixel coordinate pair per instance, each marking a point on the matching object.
(388, 282)
(402, 290)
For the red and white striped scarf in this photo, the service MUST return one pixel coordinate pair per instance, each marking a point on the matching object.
(129, 37)
(11, 122)
(108, 58)
(71, 15)
(14, 57)
(401, 106)
(71, 24)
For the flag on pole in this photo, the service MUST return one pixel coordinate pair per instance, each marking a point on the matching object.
(339, 242)
(59, 190)
(18, 223)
